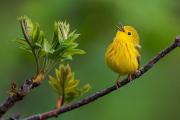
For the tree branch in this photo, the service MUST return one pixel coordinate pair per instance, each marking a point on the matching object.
(95, 96)
(16, 96)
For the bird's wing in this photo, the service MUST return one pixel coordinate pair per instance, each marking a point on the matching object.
(138, 48)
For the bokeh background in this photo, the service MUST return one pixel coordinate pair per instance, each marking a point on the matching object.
(155, 96)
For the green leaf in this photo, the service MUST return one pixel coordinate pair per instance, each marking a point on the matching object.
(28, 25)
(37, 45)
(24, 45)
(46, 48)
(70, 45)
(72, 37)
(22, 42)
(35, 33)
(55, 84)
(66, 57)
(75, 51)
(57, 38)
(26, 48)
(86, 88)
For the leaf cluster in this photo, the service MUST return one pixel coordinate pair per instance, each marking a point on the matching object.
(65, 84)
(48, 53)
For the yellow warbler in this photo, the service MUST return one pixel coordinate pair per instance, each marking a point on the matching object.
(122, 55)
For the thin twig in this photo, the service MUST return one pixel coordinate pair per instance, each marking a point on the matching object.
(95, 96)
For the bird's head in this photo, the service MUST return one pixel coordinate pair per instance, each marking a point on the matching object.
(130, 32)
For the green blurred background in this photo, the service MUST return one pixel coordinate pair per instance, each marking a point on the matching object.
(155, 96)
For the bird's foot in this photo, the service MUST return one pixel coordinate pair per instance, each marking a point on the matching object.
(137, 72)
(118, 84)
(130, 77)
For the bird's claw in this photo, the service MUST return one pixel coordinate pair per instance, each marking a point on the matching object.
(118, 84)
(130, 77)
(137, 72)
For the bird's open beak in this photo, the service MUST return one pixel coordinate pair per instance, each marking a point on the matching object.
(120, 27)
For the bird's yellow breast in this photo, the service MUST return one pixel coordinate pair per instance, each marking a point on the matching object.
(121, 55)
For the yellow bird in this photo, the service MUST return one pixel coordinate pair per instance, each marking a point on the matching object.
(123, 54)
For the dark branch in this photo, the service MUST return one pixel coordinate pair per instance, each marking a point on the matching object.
(16, 96)
(56, 112)
(12, 99)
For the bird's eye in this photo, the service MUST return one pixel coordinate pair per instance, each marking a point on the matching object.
(129, 33)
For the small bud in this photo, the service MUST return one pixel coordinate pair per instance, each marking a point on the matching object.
(38, 78)
(13, 89)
